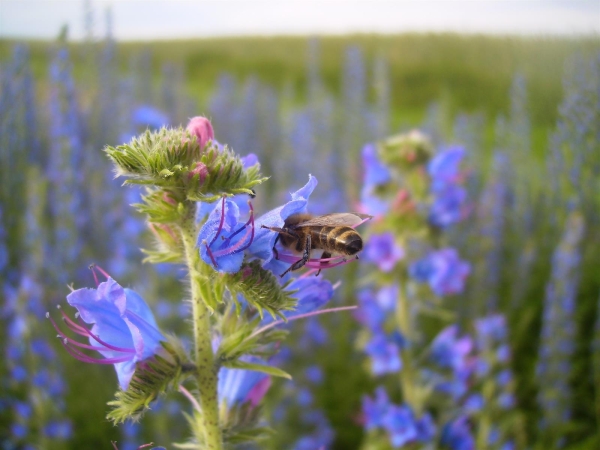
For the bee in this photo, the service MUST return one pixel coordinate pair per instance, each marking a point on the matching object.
(332, 233)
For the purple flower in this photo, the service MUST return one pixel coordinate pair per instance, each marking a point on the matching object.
(400, 425)
(457, 435)
(450, 351)
(238, 386)
(381, 249)
(444, 168)
(384, 353)
(124, 330)
(374, 410)
(443, 270)
(448, 207)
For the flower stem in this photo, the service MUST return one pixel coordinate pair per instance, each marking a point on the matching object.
(206, 373)
(410, 391)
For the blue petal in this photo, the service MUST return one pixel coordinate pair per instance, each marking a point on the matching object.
(262, 246)
(137, 305)
(125, 371)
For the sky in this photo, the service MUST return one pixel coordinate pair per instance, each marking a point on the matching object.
(175, 19)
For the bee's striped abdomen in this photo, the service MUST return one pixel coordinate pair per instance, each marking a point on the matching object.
(342, 240)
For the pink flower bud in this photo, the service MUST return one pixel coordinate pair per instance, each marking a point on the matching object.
(201, 128)
(201, 170)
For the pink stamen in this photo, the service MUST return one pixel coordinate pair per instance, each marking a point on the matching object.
(106, 344)
(299, 316)
(103, 272)
(89, 359)
(221, 222)
(83, 331)
(79, 344)
(92, 268)
(74, 327)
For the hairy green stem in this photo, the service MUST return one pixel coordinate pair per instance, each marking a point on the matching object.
(410, 390)
(206, 370)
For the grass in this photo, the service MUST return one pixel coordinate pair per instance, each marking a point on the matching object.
(473, 71)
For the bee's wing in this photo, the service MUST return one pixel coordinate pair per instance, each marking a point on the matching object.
(336, 220)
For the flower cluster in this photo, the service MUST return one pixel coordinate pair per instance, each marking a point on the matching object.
(398, 421)
(231, 258)
(417, 195)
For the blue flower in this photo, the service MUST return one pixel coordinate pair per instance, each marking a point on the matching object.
(491, 329)
(149, 116)
(374, 410)
(376, 173)
(425, 428)
(222, 239)
(443, 270)
(400, 425)
(474, 403)
(314, 374)
(444, 168)
(381, 249)
(124, 330)
(238, 386)
(457, 435)
(58, 429)
(448, 207)
(262, 245)
(384, 353)
(450, 351)
(369, 313)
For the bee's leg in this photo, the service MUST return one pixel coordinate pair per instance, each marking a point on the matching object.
(325, 255)
(300, 263)
(275, 252)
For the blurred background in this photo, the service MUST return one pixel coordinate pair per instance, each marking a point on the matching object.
(304, 86)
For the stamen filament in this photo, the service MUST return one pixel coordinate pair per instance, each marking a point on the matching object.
(210, 254)
(239, 245)
(221, 222)
(90, 359)
(106, 344)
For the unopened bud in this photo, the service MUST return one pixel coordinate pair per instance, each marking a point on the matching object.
(201, 128)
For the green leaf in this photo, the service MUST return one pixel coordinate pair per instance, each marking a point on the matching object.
(276, 372)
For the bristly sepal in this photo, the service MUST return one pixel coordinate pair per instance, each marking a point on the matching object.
(240, 338)
(152, 377)
(261, 289)
(172, 158)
